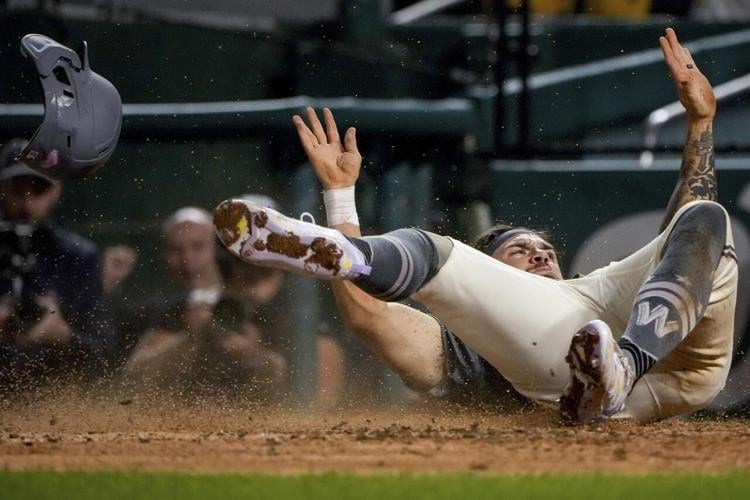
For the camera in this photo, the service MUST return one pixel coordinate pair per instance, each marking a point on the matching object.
(17, 262)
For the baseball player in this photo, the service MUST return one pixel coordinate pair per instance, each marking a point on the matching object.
(647, 337)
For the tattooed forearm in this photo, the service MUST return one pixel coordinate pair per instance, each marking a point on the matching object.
(700, 171)
(697, 179)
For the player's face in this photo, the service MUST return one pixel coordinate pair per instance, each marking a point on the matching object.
(28, 199)
(528, 252)
(190, 253)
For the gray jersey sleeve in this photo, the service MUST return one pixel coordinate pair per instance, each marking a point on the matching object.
(470, 379)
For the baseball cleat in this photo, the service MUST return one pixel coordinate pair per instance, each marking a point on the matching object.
(600, 376)
(264, 237)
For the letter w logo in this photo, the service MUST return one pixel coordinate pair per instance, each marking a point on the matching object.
(658, 314)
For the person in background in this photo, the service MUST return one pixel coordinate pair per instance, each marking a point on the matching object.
(202, 341)
(190, 251)
(265, 296)
(189, 255)
(53, 320)
(130, 312)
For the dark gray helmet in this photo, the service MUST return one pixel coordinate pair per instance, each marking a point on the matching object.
(82, 112)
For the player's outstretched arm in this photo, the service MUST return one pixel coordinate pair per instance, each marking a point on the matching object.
(407, 340)
(336, 163)
(697, 180)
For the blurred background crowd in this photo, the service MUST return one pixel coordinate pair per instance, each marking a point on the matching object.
(466, 111)
(216, 327)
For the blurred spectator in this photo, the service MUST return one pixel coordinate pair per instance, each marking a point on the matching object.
(264, 296)
(131, 310)
(189, 253)
(52, 319)
(119, 262)
(227, 330)
(190, 250)
(202, 341)
(331, 367)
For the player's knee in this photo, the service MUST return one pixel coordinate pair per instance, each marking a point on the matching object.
(700, 389)
(700, 397)
(706, 216)
(704, 223)
(658, 396)
(443, 247)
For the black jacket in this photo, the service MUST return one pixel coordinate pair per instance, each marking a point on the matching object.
(68, 266)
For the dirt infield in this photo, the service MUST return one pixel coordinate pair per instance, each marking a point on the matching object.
(90, 434)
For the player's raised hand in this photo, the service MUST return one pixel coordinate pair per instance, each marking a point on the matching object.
(693, 88)
(336, 164)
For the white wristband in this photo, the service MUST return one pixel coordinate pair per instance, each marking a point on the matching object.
(340, 206)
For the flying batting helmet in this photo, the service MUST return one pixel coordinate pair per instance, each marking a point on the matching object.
(82, 112)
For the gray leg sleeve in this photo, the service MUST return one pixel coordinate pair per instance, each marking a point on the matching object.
(402, 262)
(674, 298)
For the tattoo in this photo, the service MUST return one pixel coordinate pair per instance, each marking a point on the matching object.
(697, 179)
(701, 179)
